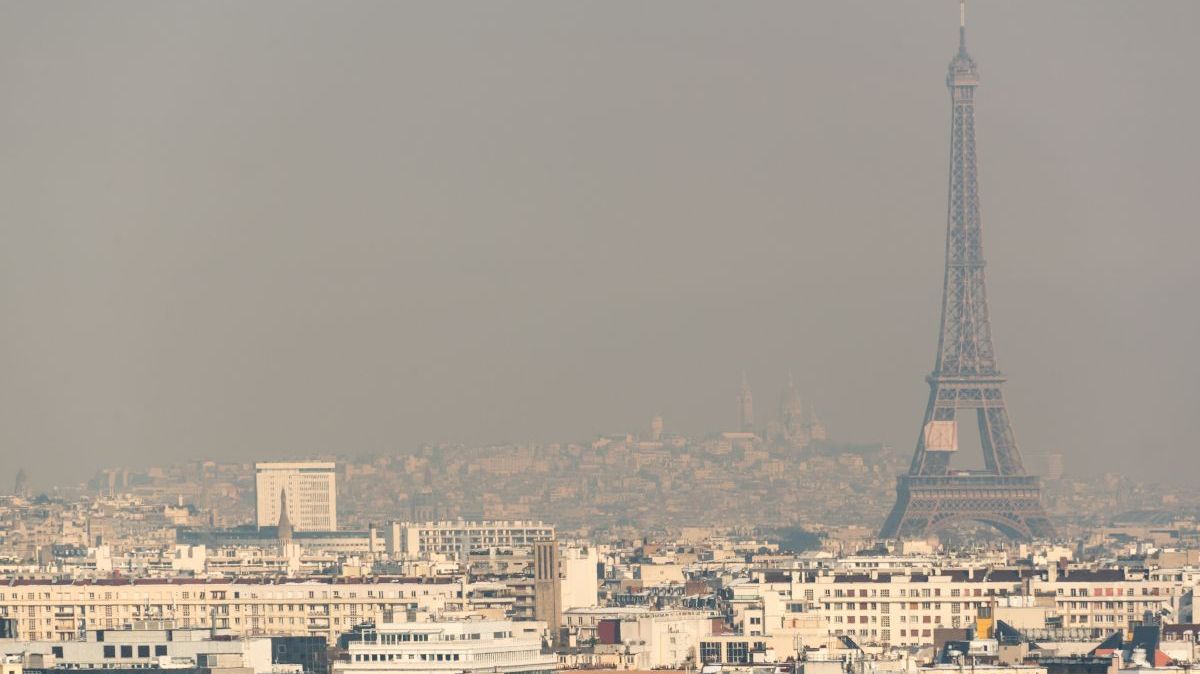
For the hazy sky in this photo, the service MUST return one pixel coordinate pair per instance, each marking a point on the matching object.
(256, 229)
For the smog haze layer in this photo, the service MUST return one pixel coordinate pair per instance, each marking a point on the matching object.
(254, 230)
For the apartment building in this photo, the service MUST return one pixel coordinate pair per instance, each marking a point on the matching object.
(450, 646)
(637, 637)
(580, 577)
(145, 646)
(906, 608)
(457, 538)
(1107, 600)
(65, 610)
(311, 490)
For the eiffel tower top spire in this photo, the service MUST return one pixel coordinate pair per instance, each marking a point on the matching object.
(962, 67)
(962, 26)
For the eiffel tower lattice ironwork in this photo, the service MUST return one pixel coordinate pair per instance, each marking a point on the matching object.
(965, 377)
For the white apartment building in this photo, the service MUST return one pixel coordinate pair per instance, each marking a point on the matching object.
(152, 645)
(638, 637)
(455, 538)
(579, 577)
(45, 610)
(906, 608)
(450, 646)
(311, 488)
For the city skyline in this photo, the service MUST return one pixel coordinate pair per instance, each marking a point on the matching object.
(545, 337)
(219, 262)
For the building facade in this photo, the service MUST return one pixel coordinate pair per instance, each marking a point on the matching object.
(311, 494)
(149, 645)
(447, 646)
(906, 608)
(456, 538)
(64, 610)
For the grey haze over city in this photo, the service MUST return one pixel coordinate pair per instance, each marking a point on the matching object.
(273, 229)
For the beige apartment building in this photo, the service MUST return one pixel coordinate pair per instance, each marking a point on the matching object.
(311, 488)
(906, 608)
(63, 610)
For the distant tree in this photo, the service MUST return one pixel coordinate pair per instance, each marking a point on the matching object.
(796, 539)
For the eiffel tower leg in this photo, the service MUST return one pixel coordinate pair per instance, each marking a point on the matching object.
(996, 433)
(891, 526)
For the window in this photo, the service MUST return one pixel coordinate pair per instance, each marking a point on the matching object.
(110, 651)
(737, 652)
(710, 651)
(127, 651)
(143, 651)
(160, 649)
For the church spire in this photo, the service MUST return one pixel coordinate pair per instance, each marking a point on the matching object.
(745, 405)
(285, 523)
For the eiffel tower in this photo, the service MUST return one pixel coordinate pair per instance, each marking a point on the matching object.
(965, 377)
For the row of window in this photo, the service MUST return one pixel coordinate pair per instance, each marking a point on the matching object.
(735, 652)
(1096, 605)
(1113, 592)
(392, 657)
(220, 595)
(143, 650)
(187, 609)
(915, 592)
(885, 607)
